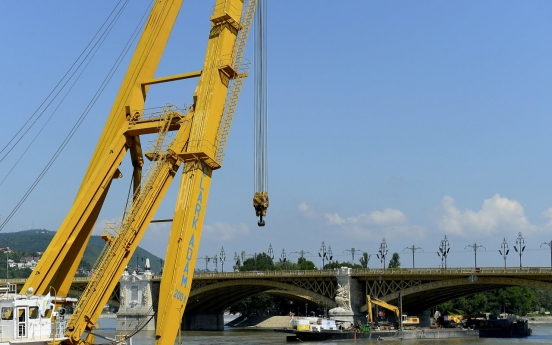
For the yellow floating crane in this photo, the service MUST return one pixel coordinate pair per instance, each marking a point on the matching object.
(197, 149)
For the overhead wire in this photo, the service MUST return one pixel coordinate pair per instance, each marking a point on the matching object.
(83, 115)
(49, 101)
(86, 59)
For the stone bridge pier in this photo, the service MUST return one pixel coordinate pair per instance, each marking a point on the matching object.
(349, 298)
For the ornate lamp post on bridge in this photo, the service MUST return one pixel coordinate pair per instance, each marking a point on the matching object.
(505, 250)
(382, 252)
(222, 257)
(283, 256)
(475, 246)
(520, 243)
(413, 249)
(444, 249)
(323, 254)
(549, 244)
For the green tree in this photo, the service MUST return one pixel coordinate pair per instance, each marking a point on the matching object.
(394, 262)
(304, 264)
(337, 264)
(364, 260)
(259, 262)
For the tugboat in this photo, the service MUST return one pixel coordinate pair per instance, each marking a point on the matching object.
(500, 328)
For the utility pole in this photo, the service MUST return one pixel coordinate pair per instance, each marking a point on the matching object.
(352, 251)
(444, 249)
(505, 250)
(475, 246)
(413, 249)
(382, 252)
(207, 259)
(222, 258)
(302, 253)
(520, 242)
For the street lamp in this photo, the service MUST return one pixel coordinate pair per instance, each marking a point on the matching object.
(382, 252)
(550, 245)
(475, 246)
(352, 251)
(330, 254)
(444, 249)
(505, 250)
(521, 245)
(270, 252)
(283, 256)
(413, 249)
(222, 258)
(323, 254)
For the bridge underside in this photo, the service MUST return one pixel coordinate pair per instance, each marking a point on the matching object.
(427, 294)
(221, 295)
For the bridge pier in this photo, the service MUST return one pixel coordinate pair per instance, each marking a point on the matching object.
(425, 318)
(204, 321)
(348, 298)
(136, 295)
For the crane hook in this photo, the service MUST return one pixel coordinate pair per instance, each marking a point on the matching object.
(261, 222)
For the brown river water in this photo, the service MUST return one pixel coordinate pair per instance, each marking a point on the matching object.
(542, 334)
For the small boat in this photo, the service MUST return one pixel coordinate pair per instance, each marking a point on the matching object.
(27, 319)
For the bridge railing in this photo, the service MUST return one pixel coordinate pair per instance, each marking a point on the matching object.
(379, 271)
(455, 270)
(256, 274)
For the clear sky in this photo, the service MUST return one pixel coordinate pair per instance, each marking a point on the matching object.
(403, 120)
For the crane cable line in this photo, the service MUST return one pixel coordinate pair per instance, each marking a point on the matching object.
(260, 198)
(84, 114)
(47, 102)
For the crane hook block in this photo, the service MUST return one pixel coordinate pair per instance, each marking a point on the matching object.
(260, 203)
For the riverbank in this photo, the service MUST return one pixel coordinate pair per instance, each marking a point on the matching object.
(269, 322)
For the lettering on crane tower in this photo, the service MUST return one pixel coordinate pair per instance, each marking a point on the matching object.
(199, 201)
(191, 244)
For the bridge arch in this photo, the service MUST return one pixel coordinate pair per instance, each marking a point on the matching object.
(221, 295)
(429, 294)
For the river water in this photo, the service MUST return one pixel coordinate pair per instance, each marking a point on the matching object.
(542, 334)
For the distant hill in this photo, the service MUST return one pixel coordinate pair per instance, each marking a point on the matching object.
(36, 240)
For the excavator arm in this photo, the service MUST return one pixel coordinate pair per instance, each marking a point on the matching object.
(380, 303)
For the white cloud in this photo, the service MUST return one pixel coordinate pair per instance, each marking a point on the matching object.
(106, 225)
(306, 210)
(225, 232)
(497, 215)
(389, 223)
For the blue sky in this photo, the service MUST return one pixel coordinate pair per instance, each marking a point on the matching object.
(400, 120)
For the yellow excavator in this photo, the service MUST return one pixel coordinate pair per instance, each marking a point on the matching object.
(196, 149)
(408, 322)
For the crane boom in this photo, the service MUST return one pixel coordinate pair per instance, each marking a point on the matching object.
(198, 147)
